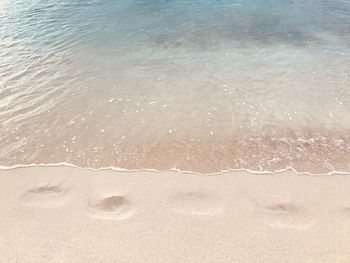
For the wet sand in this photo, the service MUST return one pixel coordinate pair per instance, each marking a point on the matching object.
(64, 214)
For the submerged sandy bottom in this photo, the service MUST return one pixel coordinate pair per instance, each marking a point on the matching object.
(61, 214)
(201, 86)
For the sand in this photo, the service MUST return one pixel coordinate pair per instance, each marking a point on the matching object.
(65, 214)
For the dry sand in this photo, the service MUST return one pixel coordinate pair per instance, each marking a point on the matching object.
(64, 214)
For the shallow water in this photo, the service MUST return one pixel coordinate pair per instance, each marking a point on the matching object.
(202, 86)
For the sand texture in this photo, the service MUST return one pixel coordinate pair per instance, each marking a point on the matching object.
(63, 214)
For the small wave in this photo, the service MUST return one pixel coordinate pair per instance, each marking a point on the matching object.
(119, 169)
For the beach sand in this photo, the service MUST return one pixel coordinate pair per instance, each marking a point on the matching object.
(65, 214)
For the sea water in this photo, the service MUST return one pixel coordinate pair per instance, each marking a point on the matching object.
(195, 85)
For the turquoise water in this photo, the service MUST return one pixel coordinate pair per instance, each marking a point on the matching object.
(202, 86)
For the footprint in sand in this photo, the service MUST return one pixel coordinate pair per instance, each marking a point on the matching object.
(45, 196)
(114, 207)
(286, 215)
(345, 209)
(344, 212)
(196, 203)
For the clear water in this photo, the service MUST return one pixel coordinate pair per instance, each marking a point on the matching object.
(196, 85)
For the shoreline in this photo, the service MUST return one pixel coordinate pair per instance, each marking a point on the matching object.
(147, 170)
(66, 214)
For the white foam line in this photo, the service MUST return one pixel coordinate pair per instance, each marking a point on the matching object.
(119, 169)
